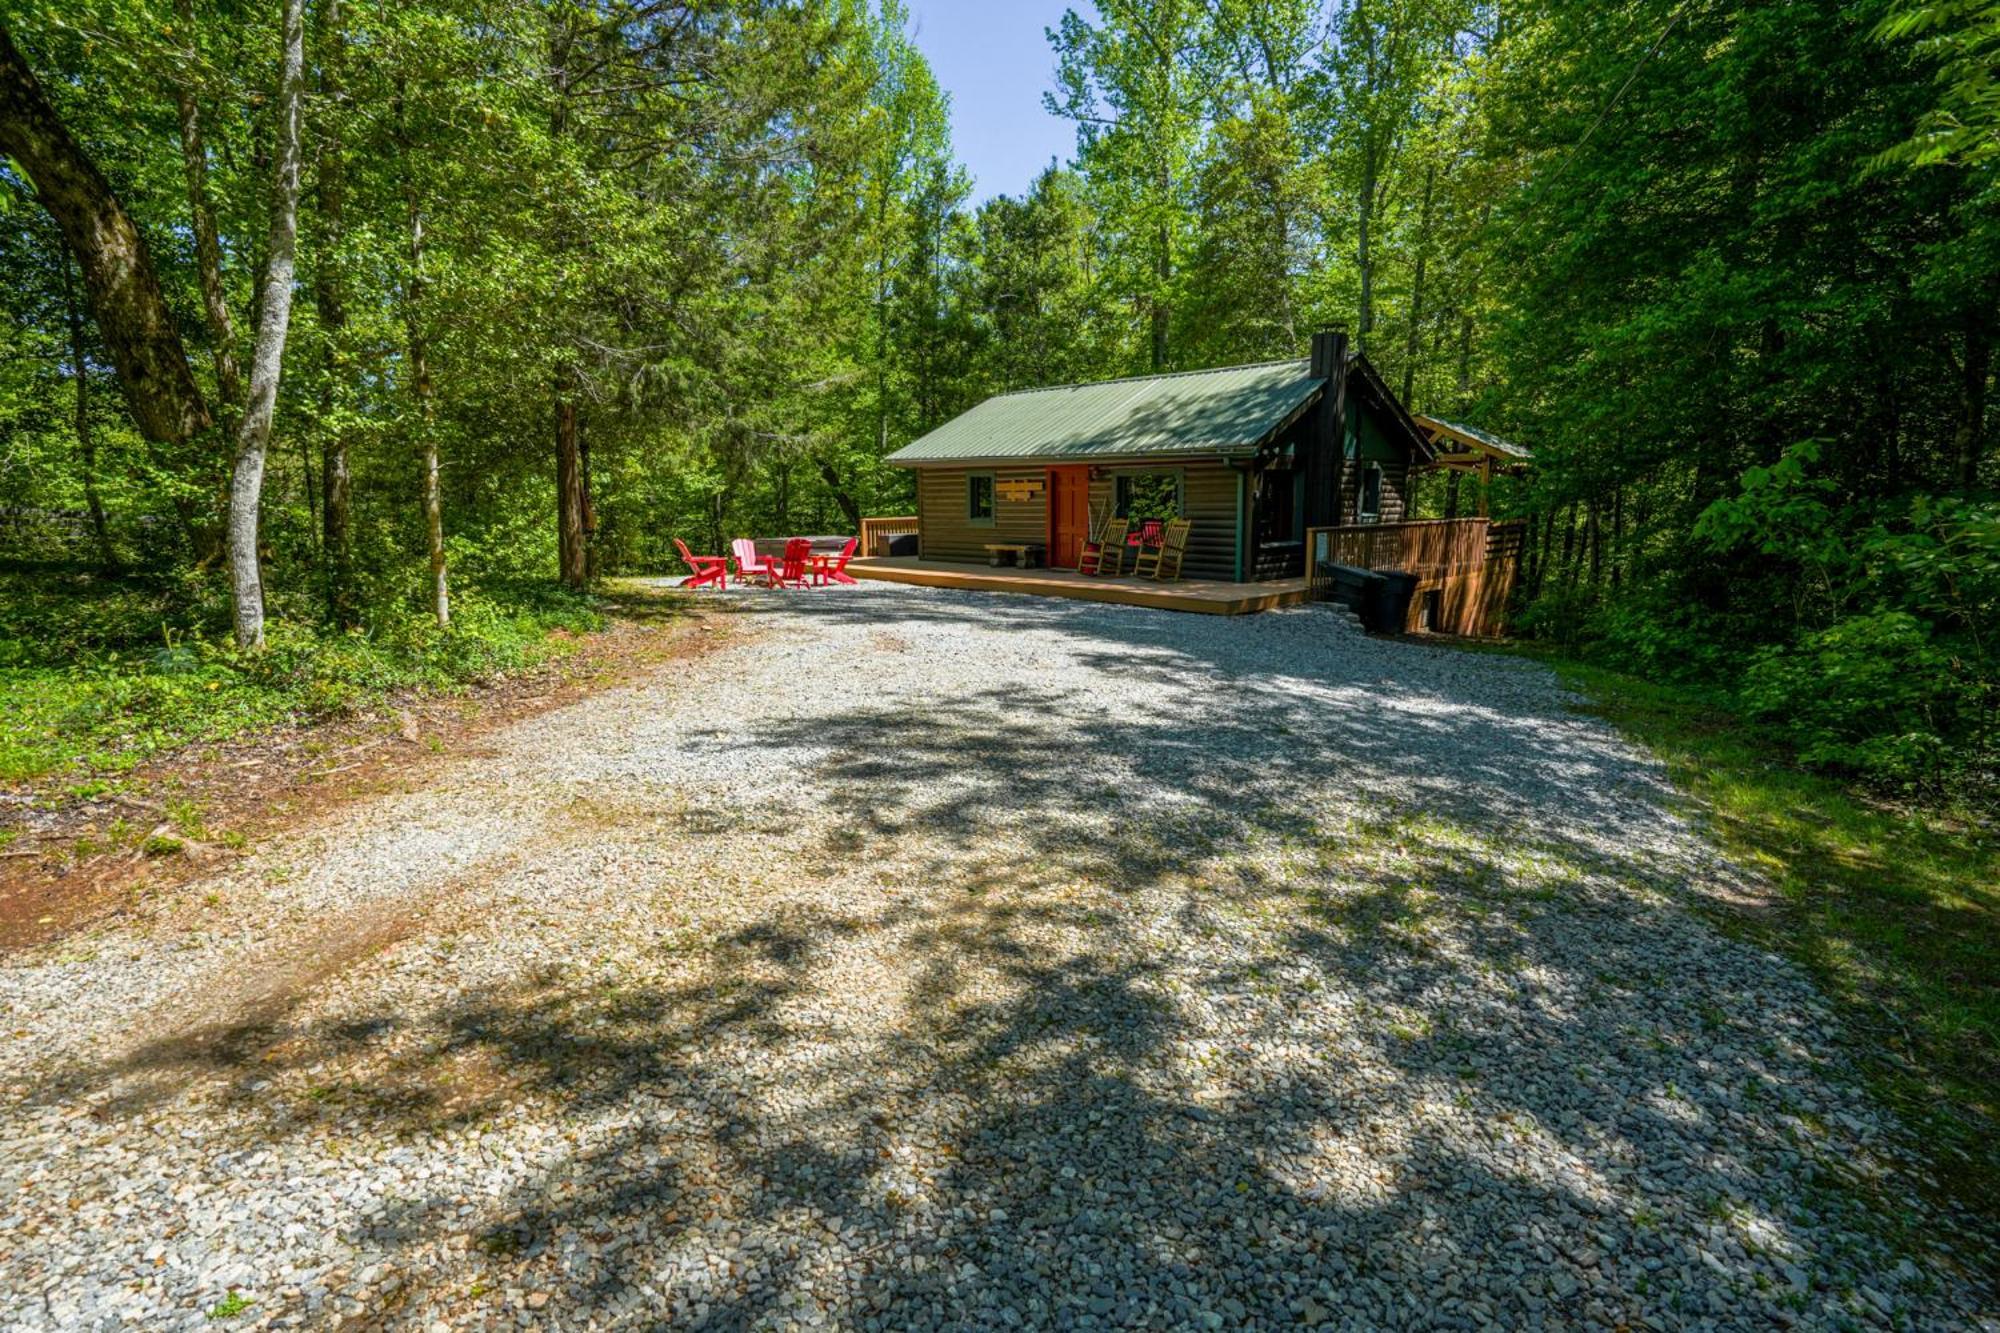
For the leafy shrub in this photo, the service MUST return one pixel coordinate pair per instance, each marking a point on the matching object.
(1559, 615)
(1658, 629)
(1891, 671)
(97, 677)
(1873, 694)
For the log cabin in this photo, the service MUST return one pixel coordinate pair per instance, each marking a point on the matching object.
(1253, 455)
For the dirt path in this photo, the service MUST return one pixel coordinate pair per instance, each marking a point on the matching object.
(924, 959)
(75, 861)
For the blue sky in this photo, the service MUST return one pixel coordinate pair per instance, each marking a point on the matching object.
(991, 56)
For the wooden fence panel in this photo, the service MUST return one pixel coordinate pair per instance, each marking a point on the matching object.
(1465, 567)
(871, 528)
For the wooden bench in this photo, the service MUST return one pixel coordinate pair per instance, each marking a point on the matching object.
(1025, 555)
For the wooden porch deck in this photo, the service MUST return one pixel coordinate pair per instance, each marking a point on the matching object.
(1206, 596)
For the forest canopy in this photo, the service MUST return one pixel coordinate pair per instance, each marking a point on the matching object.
(567, 280)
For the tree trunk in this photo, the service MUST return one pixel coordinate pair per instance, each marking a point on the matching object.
(274, 319)
(572, 556)
(1594, 537)
(1542, 561)
(1413, 343)
(118, 274)
(1569, 547)
(839, 493)
(572, 559)
(86, 441)
(329, 295)
(1451, 495)
(421, 388)
(1617, 535)
(1969, 440)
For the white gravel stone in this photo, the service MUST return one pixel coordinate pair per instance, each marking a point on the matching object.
(924, 959)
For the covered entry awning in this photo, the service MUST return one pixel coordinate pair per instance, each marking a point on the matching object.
(1462, 448)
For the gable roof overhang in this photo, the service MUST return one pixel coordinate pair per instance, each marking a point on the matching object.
(1370, 387)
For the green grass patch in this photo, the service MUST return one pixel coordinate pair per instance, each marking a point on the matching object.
(99, 675)
(1893, 909)
(235, 1303)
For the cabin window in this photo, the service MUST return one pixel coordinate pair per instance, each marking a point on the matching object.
(1370, 507)
(979, 497)
(1147, 495)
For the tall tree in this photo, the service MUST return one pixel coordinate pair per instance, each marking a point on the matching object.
(118, 271)
(1383, 58)
(577, 50)
(1135, 83)
(330, 306)
(1037, 288)
(274, 317)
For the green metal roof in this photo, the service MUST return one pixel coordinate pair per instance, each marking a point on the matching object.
(1230, 410)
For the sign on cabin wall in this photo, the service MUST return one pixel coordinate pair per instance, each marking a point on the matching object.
(1017, 489)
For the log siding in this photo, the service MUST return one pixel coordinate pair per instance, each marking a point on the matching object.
(1208, 499)
(1208, 495)
(948, 533)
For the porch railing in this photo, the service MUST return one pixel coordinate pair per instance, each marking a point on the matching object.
(1465, 567)
(871, 528)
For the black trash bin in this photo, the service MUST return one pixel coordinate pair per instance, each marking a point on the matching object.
(1346, 584)
(1389, 597)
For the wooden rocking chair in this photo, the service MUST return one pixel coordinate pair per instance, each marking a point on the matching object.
(1110, 545)
(1172, 547)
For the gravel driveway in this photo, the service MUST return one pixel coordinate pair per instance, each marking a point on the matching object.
(927, 959)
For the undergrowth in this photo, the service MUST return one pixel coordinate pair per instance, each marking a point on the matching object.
(1893, 906)
(97, 675)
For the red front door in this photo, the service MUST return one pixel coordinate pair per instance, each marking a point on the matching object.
(1069, 515)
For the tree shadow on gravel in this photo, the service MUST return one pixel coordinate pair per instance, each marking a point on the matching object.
(1191, 995)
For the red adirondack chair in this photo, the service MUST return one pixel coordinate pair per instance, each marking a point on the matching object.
(798, 554)
(750, 565)
(838, 572)
(703, 569)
